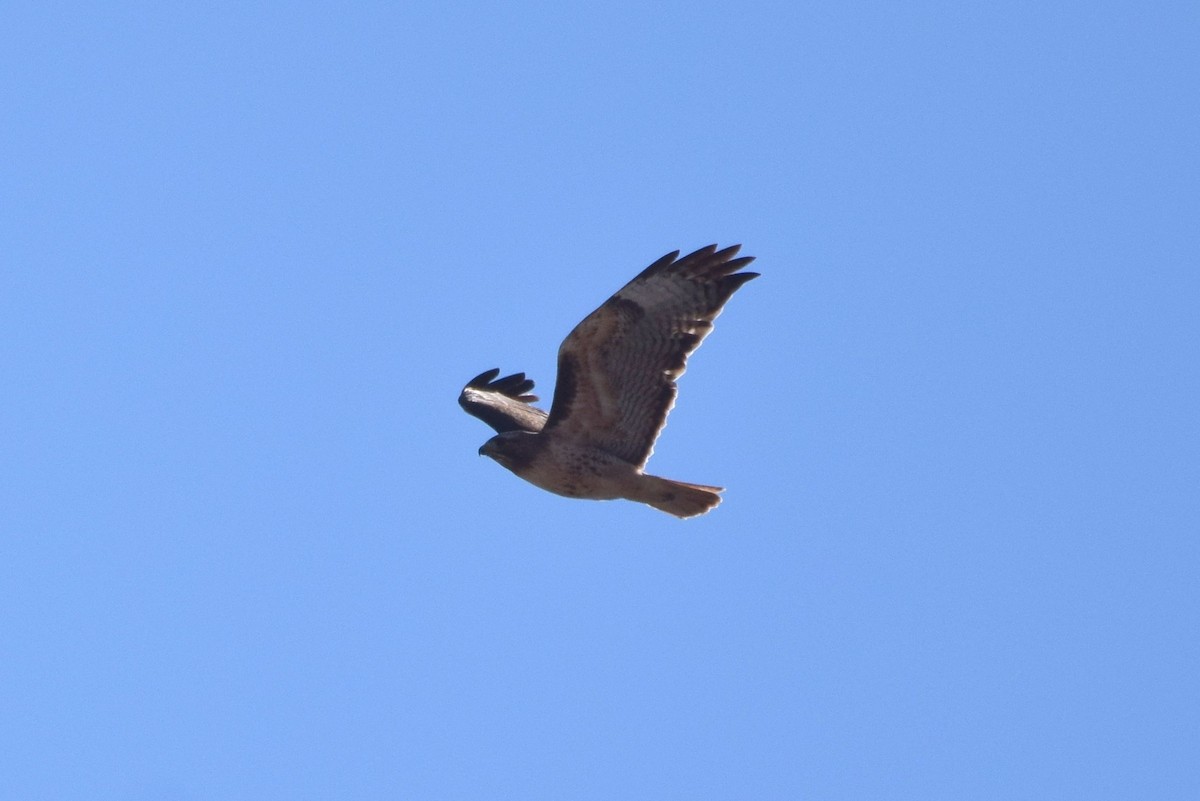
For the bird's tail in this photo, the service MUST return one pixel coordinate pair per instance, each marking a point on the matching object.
(679, 498)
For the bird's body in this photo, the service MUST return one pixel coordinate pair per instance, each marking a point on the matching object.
(565, 468)
(561, 466)
(615, 387)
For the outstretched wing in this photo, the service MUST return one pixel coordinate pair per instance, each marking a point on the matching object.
(617, 369)
(502, 403)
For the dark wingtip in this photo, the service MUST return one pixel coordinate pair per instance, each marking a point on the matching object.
(484, 378)
(708, 263)
(708, 260)
(732, 283)
(515, 386)
(660, 264)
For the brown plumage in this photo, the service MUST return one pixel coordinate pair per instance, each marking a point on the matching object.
(616, 384)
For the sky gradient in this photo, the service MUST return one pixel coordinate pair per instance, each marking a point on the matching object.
(251, 254)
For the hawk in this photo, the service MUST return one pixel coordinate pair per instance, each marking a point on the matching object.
(616, 384)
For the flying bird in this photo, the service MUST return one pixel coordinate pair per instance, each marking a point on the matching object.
(616, 384)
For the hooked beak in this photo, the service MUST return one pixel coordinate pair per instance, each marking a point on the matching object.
(481, 447)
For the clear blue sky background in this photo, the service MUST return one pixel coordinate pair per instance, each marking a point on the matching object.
(250, 255)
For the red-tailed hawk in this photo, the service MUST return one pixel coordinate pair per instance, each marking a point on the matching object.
(616, 384)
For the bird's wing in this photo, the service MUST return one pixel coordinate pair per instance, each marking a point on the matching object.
(502, 403)
(617, 368)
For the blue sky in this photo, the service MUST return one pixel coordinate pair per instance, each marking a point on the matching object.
(252, 253)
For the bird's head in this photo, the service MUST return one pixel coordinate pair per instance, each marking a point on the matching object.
(513, 449)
